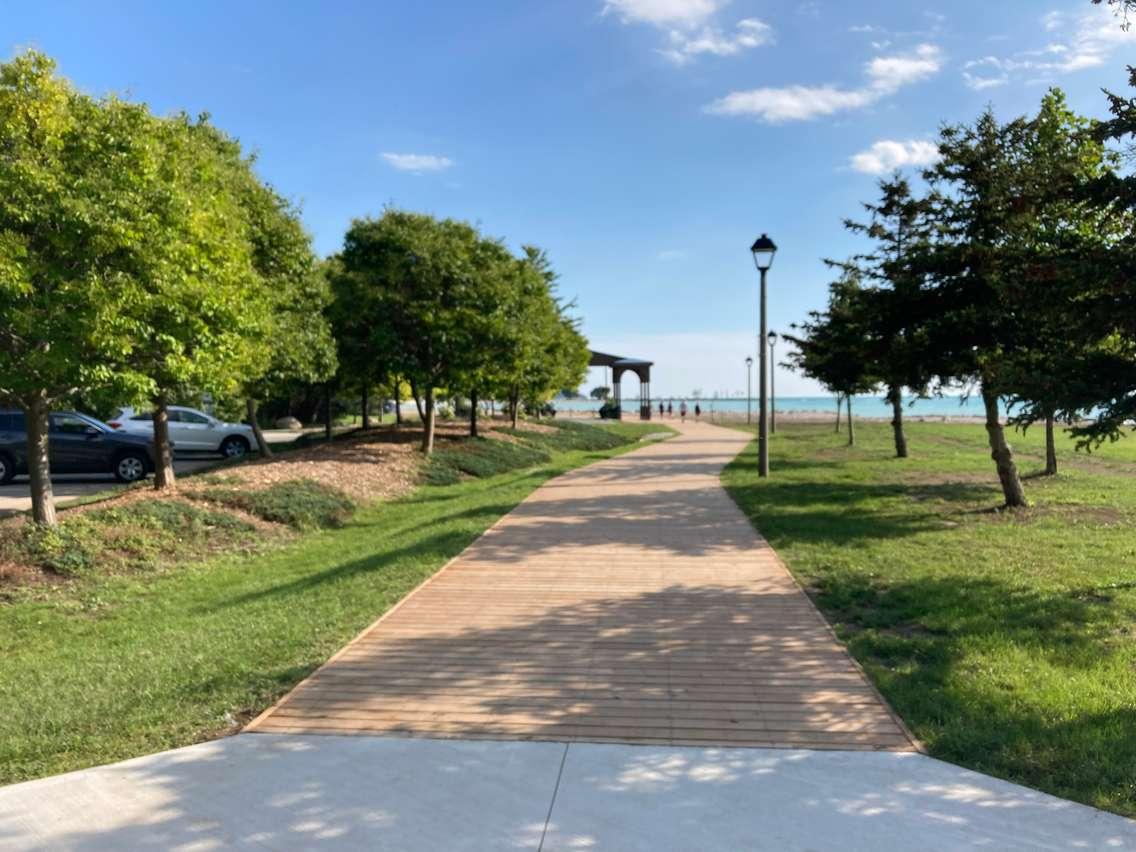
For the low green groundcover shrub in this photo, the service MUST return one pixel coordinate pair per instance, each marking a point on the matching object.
(568, 436)
(299, 503)
(481, 457)
(140, 536)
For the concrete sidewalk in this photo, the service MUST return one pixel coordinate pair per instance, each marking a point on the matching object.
(271, 791)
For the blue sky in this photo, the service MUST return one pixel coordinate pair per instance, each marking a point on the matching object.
(643, 143)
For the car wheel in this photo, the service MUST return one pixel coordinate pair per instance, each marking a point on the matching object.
(7, 469)
(234, 447)
(129, 467)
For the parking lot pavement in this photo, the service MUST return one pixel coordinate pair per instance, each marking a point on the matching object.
(14, 496)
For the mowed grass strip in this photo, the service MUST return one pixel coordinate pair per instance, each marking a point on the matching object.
(1006, 640)
(123, 665)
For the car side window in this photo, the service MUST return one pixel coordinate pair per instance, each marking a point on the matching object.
(13, 422)
(191, 417)
(145, 415)
(68, 424)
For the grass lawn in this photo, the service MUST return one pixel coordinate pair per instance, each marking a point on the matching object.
(118, 666)
(1006, 640)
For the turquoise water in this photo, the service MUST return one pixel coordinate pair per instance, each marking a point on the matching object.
(864, 406)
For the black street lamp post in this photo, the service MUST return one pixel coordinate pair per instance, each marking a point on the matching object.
(772, 392)
(763, 250)
(749, 391)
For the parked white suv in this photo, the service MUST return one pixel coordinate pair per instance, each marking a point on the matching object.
(190, 431)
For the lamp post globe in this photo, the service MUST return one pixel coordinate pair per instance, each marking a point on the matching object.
(763, 250)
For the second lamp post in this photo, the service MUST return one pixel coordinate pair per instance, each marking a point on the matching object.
(772, 386)
(763, 250)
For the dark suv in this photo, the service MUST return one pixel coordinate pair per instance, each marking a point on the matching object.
(76, 444)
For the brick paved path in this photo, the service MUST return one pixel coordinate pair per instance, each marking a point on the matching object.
(629, 601)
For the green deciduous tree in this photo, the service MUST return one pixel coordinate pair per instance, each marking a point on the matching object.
(194, 310)
(296, 333)
(79, 179)
(426, 274)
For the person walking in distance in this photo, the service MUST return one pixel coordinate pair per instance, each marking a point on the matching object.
(682, 411)
(697, 411)
(670, 409)
(661, 409)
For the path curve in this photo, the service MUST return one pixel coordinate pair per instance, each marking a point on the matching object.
(628, 601)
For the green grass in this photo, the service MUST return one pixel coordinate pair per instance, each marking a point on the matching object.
(1005, 639)
(125, 665)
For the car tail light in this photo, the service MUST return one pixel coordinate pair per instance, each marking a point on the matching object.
(114, 425)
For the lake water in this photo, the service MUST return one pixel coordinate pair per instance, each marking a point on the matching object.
(863, 406)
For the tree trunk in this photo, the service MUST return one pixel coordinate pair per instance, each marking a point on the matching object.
(327, 412)
(1050, 446)
(250, 413)
(895, 396)
(417, 401)
(851, 428)
(428, 422)
(39, 462)
(514, 404)
(473, 414)
(397, 402)
(366, 407)
(163, 453)
(1002, 454)
(839, 402)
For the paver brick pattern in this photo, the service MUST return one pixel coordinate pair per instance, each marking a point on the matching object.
(629, 601)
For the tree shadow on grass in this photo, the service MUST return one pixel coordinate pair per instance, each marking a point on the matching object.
(948, 653)
(846, 512)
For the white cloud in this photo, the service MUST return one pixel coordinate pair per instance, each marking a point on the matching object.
(888, 155)
(893, 72)
(1094, 37)
(886, 75)
(690, 28)
(663, 13)
(418, 162)
(791, 103)
(748, 33)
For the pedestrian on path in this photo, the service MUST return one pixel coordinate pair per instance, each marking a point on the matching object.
(670, 409)
(661, 409)
(682, 411)
(697, 411)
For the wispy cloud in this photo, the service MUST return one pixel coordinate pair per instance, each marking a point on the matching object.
(663, 13)
(418, 162)
(690, 27)
(748, 33)
(885, 76)
(1095, 37)
(889, 154)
